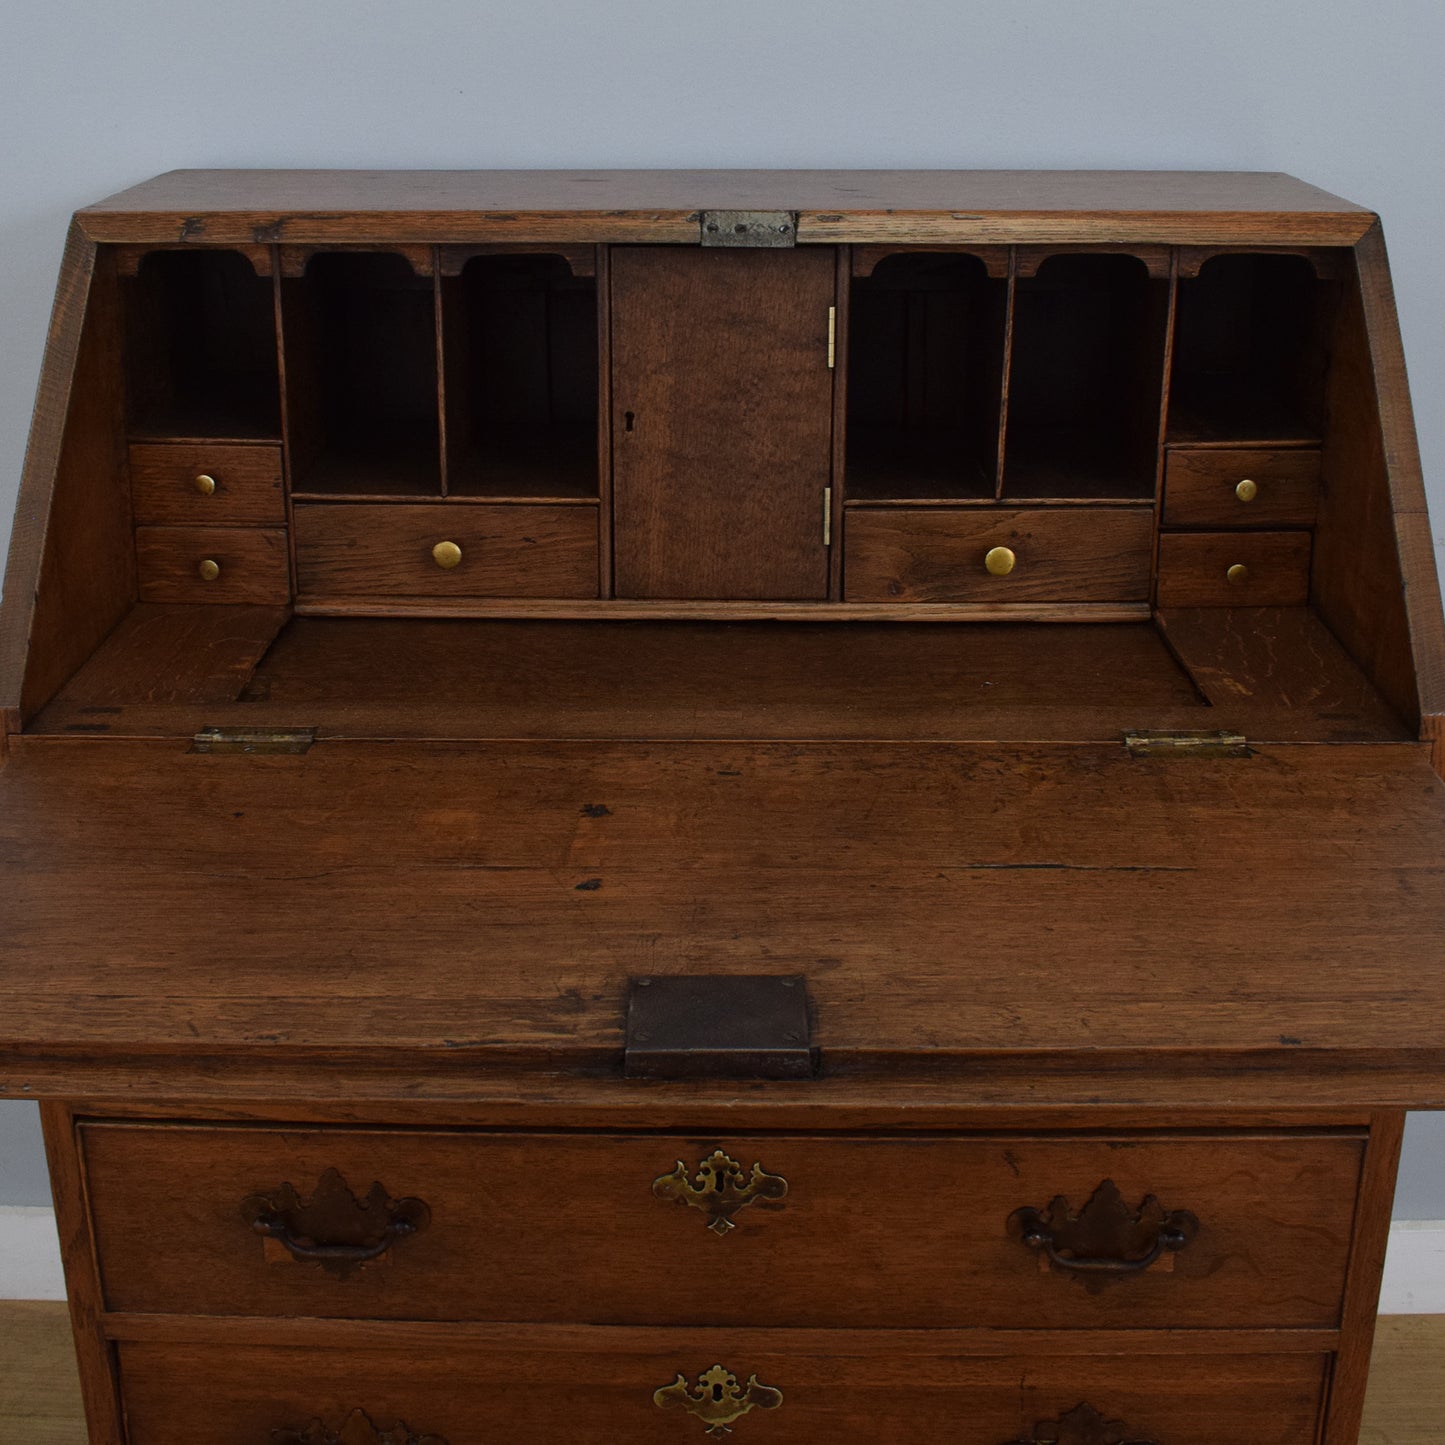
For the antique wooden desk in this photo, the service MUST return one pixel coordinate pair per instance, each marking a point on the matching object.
(640, 806)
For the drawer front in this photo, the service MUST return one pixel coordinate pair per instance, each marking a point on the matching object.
(1053, 554)
(206, 486)
(1234, 569)
(213, 564)
(363, 550)
(862, 1233)
(1241, 487)
(590, 1387)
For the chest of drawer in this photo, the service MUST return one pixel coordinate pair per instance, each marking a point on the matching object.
(1241, 487)
(1234, 569)
(602, 1387)
(963, 554)
(213, 564)
(446, 550)
(670, 1230)
(179, 484)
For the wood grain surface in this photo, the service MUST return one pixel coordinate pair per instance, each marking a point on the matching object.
(1199, 487)
(381, 550)
(936, 554)
(721, 457)
(855, 1389)
(930, 1215)
(843, 863)
(253, 563)
(248, 488)
(39, 1399)
(1194, 569)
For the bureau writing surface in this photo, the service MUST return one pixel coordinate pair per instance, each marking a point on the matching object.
(1010, 611)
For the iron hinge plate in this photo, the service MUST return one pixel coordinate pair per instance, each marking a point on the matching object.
(748, 228)
(253, 740)
(1187, 745)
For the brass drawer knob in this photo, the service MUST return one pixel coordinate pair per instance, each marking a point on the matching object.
(208, 570)
(719, 1189)
(205, 484)
(1238, 573)
(446, 555)
(718, 1399)
(999, 561)
(1247, 490)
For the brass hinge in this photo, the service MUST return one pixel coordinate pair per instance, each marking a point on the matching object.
(827, 516)
(748, 228)
(832, 337)
(1186, 744)
(253, 740)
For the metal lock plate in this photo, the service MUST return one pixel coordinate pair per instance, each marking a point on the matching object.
(749, 228)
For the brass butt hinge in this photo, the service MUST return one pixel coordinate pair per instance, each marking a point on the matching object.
(253, 740)
(1186, 745)
(827, 516)
(832, 337)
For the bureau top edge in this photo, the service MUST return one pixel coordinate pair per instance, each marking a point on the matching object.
(307, 206)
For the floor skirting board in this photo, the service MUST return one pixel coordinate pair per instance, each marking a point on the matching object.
(1414, 1268)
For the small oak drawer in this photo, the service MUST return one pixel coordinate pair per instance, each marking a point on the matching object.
(1241, 487)
(683, 1387)
(1234, 569)
(965, 554)
(206, 486)
(1230, 1231)
(446, 549)
(212, 564)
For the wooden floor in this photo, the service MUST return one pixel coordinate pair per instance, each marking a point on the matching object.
(40, 1394)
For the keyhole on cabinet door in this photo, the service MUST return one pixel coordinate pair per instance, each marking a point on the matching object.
(627, 418)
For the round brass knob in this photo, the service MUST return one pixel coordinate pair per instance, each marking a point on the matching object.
(1247, 490)
(446, 555)
(205, 484)
(1238, 572)
(999, 561)
(209, 570)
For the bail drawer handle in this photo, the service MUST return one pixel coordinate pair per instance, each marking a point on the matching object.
(334, 1228)
(1106, 1237)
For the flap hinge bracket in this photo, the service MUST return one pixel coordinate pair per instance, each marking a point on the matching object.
(253, 740)
(1187, 744)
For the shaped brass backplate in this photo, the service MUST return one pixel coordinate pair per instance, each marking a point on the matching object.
(719, 1189)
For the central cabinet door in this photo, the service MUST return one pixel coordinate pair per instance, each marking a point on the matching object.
(722, 422)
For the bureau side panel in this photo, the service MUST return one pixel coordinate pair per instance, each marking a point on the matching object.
(71, 573)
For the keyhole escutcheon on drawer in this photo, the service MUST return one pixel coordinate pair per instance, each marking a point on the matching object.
(719, 1188)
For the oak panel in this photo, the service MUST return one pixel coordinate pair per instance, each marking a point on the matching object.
(514, 1235)
(721, 457)
(840, 1390)
(936, 554)
(1194, 569)
(363, 550)
(248, 485)
(253, 563)
(1200, 487)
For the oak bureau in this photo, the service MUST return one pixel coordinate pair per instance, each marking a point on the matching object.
(640, 807)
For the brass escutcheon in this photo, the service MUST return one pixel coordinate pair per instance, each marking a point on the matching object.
(718, 1399)
(719, 1189)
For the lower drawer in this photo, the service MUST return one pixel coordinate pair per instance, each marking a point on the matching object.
(1234, 569)
(987, 554)
(598, 1228)
(598, 1387)
(213, 564)
(358, 549)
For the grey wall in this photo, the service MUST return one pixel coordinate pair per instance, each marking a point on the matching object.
(96, 95)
